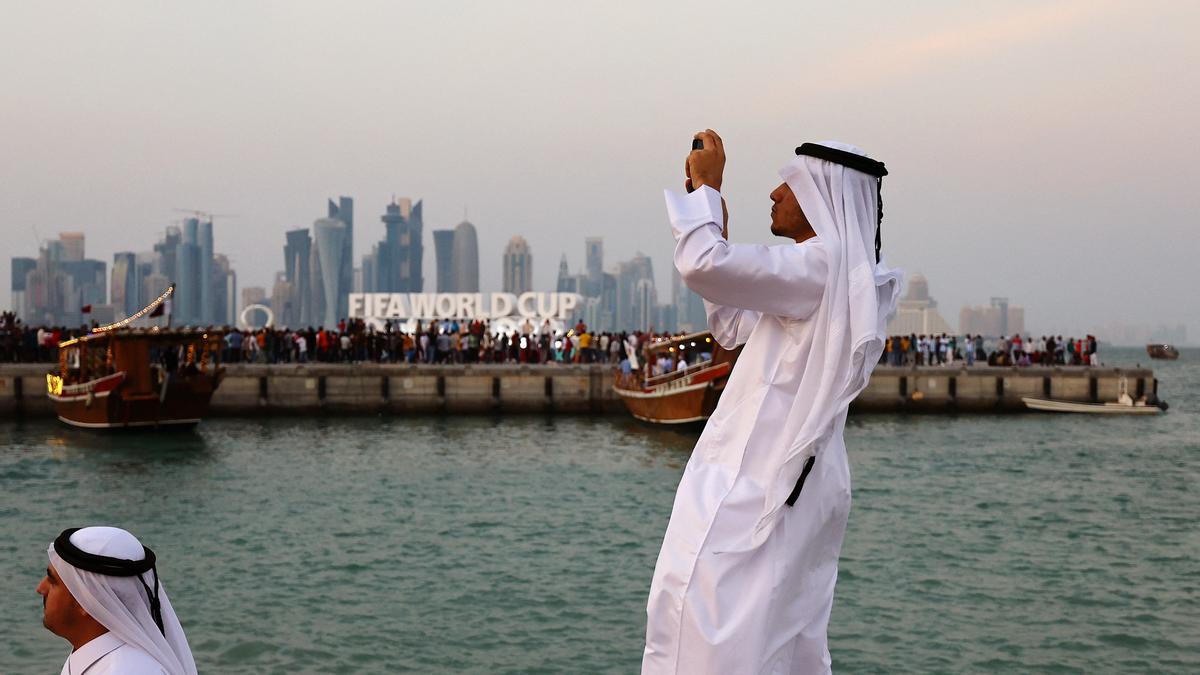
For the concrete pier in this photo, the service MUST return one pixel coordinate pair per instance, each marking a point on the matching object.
(370, 389)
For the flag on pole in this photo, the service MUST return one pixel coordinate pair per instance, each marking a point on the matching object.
(86, 309)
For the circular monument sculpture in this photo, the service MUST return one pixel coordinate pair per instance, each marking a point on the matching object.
(244, 320)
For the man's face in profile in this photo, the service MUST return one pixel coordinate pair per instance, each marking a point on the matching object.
(787, 219)
(60, 611)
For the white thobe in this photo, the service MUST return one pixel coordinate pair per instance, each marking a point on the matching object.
(110, 655)
(722, 602)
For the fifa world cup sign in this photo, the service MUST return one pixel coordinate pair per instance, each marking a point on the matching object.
(505, 311)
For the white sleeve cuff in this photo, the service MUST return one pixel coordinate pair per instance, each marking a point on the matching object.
(689, 211)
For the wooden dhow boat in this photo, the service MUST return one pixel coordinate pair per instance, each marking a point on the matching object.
(118, 377)
(678, 395)
(1162, 351)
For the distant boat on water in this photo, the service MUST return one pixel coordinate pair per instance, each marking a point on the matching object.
(1161, 351)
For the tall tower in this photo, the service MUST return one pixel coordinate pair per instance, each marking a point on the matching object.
(401, 251)
(343, 210)
(124, 294)
(518, 266)
(329, 237)
(443, 248)
(629, 273)
(186, 304)
(416, 248)
(296, 258)
(594, 247)
(1001, 307)
(466, 259)
(206, 296)
(72, 246)
(565, 282)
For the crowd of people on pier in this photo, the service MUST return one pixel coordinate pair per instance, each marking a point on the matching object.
(967, 350)
(355, 341)
(445, 342)
(472, 341)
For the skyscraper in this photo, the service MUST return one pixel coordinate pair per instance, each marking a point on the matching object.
(297, 310)
(443, 248)
(165, 251)
(330, 287)
(54, 287)
(594, 248)
(186, 300)
(645, 305)
(398, 259)
(343, 210)
(629, 306)
(282, 297)
(21, 267)
(518, 266)
(71, 244)
(125, 293)
(1000, 318)
(416, 248)
(208, 313)
(566, 283)
(917, 313)
(253, 295)
(224, 292)
(466, 259)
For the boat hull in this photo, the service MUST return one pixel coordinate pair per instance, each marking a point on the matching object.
(684, 405)
(182, 402)
(1165, 352)
(1046, 405)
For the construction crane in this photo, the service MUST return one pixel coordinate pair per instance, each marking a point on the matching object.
(205, 214)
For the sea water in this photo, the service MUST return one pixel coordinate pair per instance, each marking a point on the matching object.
(976, 543)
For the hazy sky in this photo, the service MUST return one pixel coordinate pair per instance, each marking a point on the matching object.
(1041, 150)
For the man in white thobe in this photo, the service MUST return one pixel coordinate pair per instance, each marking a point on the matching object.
(745, 577)
(101, 593)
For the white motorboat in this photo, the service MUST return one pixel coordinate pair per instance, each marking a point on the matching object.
(1131, 408)
(1124, 405)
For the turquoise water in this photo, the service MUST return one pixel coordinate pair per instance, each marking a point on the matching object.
(1021, 543)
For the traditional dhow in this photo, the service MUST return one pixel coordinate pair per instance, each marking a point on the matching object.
(117, 376)
(691, 374)
(1160, 351)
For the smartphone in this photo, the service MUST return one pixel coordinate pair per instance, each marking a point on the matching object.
(697, 144)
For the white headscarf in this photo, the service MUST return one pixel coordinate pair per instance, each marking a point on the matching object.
(842, 205)
(120, 604)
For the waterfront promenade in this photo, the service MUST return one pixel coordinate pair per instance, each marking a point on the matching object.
(367, 389)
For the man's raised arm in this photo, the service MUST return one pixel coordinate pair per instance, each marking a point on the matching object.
(785, 280)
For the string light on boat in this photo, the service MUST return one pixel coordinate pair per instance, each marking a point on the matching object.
(139, 314)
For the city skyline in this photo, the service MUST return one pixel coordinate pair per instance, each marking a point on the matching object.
(1001, 124)
(628, 290)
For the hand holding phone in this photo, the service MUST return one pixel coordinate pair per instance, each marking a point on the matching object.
(697, 144)
(705, 164)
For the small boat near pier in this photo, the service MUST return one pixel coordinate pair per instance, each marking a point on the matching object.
(122, 377)
(683, 394)
(1124, 405)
